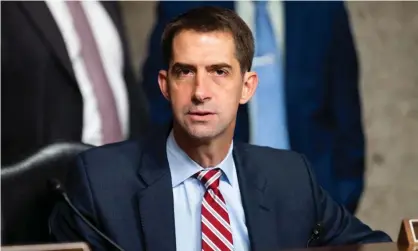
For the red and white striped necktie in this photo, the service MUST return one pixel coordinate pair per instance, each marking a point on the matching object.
(216, 227)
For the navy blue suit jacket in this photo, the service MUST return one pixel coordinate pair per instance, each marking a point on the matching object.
(125, 189)
(322, 99)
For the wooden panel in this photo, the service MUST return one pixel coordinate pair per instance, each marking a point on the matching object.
(49, 247)
(408, 234)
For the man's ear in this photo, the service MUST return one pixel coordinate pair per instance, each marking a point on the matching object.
(250, 85)
(163, 83)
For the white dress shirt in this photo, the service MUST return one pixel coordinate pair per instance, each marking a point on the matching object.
(188, 195)
(110, 50)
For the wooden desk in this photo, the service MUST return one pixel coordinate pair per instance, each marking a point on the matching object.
(49, 247)
(367, 247)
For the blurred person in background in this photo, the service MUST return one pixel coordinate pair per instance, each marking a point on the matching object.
(66, 76)
(307, 65)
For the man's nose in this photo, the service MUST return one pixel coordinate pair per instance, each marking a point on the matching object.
(202, 91)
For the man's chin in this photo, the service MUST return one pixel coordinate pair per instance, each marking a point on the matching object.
(202, 133)
(203, 136)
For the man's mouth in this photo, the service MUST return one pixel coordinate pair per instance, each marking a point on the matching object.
(200, 113)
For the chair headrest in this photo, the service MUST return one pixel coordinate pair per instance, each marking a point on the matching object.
(48, 155)
(26, 199)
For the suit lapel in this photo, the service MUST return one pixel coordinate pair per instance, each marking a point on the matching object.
(259, 214)
(42, 18)
(156, 199)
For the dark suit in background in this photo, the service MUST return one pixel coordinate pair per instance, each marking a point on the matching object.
(41, 101)
(321, 88)
(134, 205)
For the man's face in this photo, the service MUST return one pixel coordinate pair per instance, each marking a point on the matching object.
(204, 83)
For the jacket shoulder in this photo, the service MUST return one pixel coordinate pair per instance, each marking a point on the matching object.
(112, 159)
(123, 148)
(275, 159)
(283, 170)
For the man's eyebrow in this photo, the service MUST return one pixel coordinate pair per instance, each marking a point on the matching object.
(179, 65)
(219, 66)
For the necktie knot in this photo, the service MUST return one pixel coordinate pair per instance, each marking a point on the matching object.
(210, 178)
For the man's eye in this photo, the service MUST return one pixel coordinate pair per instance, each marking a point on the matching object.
(184, 72)
(221, 72)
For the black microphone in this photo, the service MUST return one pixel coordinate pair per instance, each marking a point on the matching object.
(316, 234)
(55, 186)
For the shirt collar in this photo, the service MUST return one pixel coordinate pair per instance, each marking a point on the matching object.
(183, 167)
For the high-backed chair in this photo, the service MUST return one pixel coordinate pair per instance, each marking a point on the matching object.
(26, 201)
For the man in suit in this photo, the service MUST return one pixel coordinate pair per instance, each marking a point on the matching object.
(66, 76)
(308, 100)
(189, 186)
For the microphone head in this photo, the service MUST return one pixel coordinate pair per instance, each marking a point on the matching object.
(55, 186)
(318, 229)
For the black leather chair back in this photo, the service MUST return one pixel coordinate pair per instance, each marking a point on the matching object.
(25, 198)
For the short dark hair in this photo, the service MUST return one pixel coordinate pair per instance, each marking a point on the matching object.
(209, 19)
